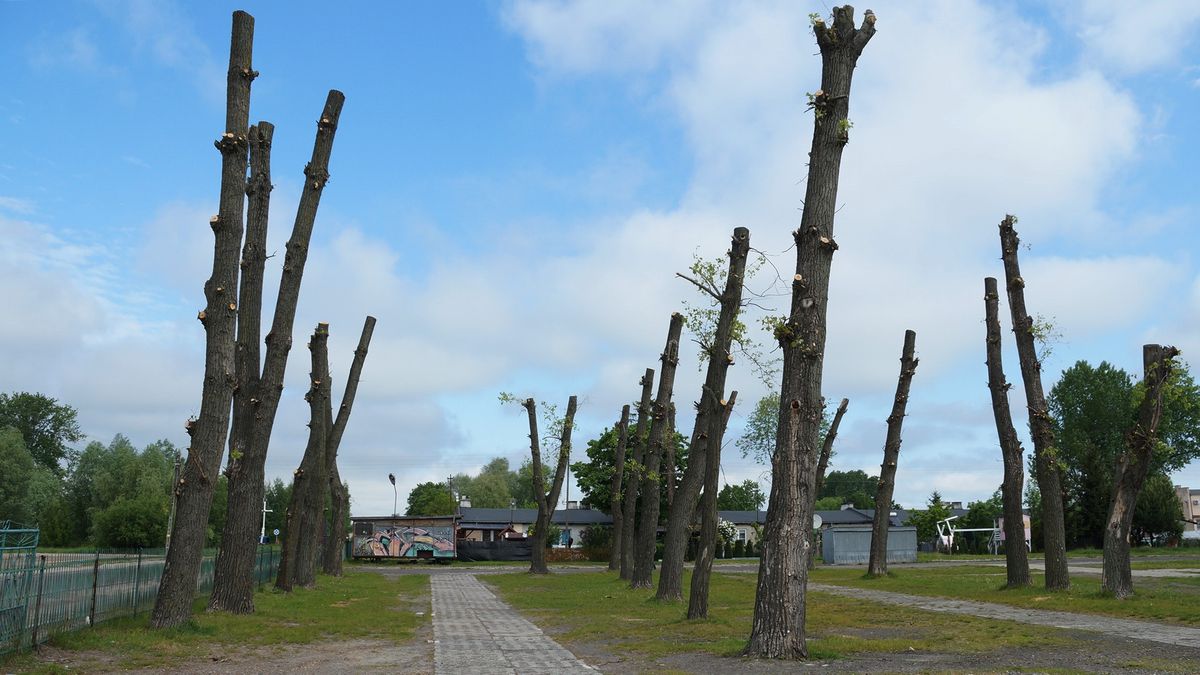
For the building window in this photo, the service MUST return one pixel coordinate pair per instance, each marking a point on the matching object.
(741, 534)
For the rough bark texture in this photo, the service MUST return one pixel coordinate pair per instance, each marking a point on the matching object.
(194, 490)
(1016, 557)
(297, 561)
(339, 505)
(615, 506)
(546, 502)
(779, 605)
(702, 572)
(710, 408)
(233, 576)
(877, 562)
(1132, 467)
(1041, 428)
(633, 479)
(648, 498)
(668, 462)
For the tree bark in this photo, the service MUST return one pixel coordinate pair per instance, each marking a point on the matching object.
(877, 563)
(1132, 467)
(702, 572)
(648, 499)
(632, 482)
(827, 444)
(233, 575)
(546, 502)
(339, 506)
(615, 506)
(1041, 428)
(194, 490)
(1016, 557)
(297, 562)
(710, 408)
(779, 605)
(669, 460)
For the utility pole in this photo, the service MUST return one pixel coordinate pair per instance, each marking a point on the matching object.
(392, 477)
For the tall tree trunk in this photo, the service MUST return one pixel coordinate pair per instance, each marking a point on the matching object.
(877, 563)
(633, 480)
(779, 604)
(669, 459)
(1016, 557)
(233, 576)
(339, 507)
(711, 407)
(1132, 467)
(648, 499)
(702, 573)
(615, 507)
(194, 490)
(823, 464)
(297, 563)
(547, 501)
(1041, 429)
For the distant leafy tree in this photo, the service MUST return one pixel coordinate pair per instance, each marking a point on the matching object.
(16, 472)
(46, 425)
(828, 504)
(981, 514)
(853, 487)
(278, 495)
(1158, 513)
(135, 522)
(492, 487)
(594, 476)
(746, 496)
(926, 520)
(430, 499)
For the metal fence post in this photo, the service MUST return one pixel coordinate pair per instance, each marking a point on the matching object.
(37, 605)
(137, 577)
(95, 582)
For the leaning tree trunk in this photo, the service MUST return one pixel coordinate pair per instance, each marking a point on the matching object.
(702, 574)
(1016, 557)
(614, 548)
(649, 495)
(194, 490)
(877, 563)
(710, 408)
(297, 563)
(779, 603)
(233, 576)
(339, 506)
(668, 462)
(1132, 467)
(1041, 428)
(632, 481)
(546, 502)
(823, 464)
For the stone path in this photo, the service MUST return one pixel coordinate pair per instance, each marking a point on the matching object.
(475, 632)
(1126, 628)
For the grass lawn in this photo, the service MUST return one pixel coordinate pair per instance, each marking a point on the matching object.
(1167, 600)
(358, 605)
(627, 620)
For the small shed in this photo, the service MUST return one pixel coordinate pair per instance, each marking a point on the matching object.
(851, 545)
(404, 537)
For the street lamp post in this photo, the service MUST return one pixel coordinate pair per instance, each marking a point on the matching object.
(392, 477)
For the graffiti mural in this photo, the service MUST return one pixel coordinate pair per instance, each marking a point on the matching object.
(405, 541)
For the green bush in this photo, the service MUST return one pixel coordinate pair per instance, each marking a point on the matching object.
(739, 549)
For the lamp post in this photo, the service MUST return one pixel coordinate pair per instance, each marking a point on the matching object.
(392, 477)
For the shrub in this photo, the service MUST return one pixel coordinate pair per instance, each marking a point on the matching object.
(739, 549)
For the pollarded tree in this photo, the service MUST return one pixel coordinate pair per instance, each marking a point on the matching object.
(877, 563)
(779, 605)
(618, 476)
(547, 501)
(635, 468)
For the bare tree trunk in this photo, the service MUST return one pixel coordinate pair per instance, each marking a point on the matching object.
(669, 460)
(194, 491)
(547, 502)
(702, 573)
(877, 563)
(1041, 429)
(297, 563)
(1132, 467)
(1015, 555)
(823, 465)
(648, 499)
(233, 576)
(633, 480)
(339, 507)
(615, 506)
(779, 604)
(711, 408)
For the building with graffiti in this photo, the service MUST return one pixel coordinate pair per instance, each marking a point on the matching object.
(431, 537)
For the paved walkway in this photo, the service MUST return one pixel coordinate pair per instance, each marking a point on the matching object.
(475, 632)
(1126, 628)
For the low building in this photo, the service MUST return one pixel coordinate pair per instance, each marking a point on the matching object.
(1189, 505)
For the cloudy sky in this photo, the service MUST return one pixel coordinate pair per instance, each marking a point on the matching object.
(515, 183)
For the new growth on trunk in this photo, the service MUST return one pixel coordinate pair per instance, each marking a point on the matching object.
(194, 490)
(633, 479)
(779, 604)
(648, 499)
(546, 502)
(1132, 467)
(1016, 557)
(1041, 428)
(615, 506)
(877, 563)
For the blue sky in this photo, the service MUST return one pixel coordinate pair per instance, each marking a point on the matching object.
(514, 184)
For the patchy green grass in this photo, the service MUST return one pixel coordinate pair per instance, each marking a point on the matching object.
(601, 607)
(1167, 600)
(357, 605)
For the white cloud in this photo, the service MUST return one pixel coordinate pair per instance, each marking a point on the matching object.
(1134, 38)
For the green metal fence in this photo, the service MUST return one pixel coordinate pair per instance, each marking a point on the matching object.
(18, 544)
(70, 591)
